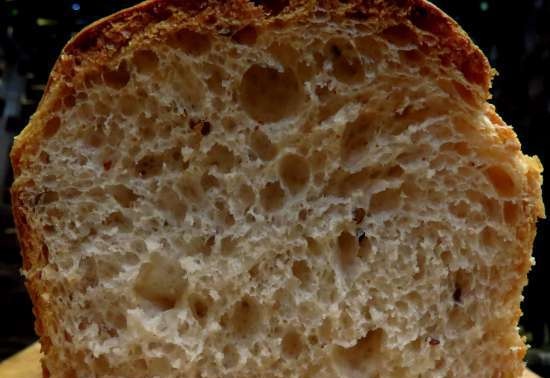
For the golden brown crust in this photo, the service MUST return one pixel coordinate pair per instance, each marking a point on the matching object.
(35, 256)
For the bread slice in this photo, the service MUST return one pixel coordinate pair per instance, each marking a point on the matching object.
(290, 189)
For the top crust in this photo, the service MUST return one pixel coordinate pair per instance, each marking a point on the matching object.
(98, 44)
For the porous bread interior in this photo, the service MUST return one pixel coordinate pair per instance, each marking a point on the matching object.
(323, 200)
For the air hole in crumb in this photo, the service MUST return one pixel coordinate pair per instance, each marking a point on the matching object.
(268, 95)
(159, 367)
(461, 284)
(489, 237)
(284, 53)
(230, 356)
(95, 137)
(400, 35)
(501, 181)
(355, 359)
(69, 101)
(228, 245)
(465, 93)
(273, 7)
(145, 60)
(117, 78)
(348, 247)
(129, 105)
(190, 189)
(301, 270)
(342, 183)
(457, 294)
(246, 196)
(272, 196)
(161, 281)
(48, 197)
(511, 213)
(303, 214)
(325, 331)
(313, 340)
(148, 166)
(492, 208)
(44, 157)
(292, 344)
(246, 317)
(318, 161)
(459, 209)
(262, 146)
(359, 215)
(199, 307)
(429, 21)
(200, 126)
(356, 138)
(169, 201)
(229, 124)
(208, 182)
(246, 35)
(190, 42)
(254, 272)
(346, 63)
(414, 58)
(215, 78)
(124, 196)
(371, 48)
(224, 213)
(202, 245)
(51, 127)
(102, 366)
(387, 200)
(294, 172)
(221, 157)
(313, 246)
(395, 171)
(119, 221)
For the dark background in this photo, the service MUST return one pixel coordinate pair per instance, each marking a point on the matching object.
(514, 34)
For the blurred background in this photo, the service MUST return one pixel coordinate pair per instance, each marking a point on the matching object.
(514, 34)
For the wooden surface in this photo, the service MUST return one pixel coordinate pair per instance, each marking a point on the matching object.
(26, 364)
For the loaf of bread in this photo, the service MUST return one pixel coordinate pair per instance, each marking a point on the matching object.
(275, 189)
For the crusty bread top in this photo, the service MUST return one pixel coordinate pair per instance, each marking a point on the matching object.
(99, 43)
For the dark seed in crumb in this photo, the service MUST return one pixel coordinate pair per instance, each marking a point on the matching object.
(336, 51)
(360, 234)
(457, 295)
(432, 341)
(359, 215)
(107, 165)
(206, 127)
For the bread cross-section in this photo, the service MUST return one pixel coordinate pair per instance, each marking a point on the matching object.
(275, 189)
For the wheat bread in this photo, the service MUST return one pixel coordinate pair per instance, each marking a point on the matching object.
(288, 189)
